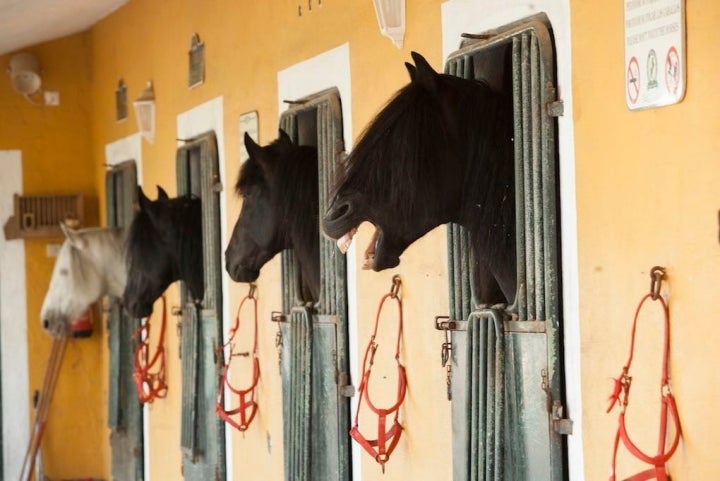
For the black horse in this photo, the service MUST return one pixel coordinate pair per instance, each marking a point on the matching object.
(440, 151)
(278, 184)
(164, 245)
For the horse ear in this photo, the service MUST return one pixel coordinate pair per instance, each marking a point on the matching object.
(73, 237)
(162, 195)
(425, 74)
(253, 149)
(142, 199)
(411, 70)
(284, 137)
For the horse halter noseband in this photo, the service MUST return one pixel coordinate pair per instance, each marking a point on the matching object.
(150, 385)
(621, 393)
(247, 408)
(387, 439)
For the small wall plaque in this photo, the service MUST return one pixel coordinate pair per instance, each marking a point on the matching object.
(121, 111)
(196, 55)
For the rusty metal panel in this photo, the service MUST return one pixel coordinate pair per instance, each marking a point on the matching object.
(320, 407)
(532, 325)
(202, 431)
(125, 415)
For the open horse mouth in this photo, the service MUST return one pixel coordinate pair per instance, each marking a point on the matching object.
(377, 256)
(341, 222)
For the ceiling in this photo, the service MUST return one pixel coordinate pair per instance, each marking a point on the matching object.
(28, 22)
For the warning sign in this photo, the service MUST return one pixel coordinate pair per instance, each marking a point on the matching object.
(654, 40)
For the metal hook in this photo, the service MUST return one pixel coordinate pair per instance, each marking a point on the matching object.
(251, 291)
(395, 286)
(657, 274)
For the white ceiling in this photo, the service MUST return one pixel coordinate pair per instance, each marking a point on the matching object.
(28, 22)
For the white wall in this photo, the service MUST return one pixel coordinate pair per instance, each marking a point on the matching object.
(474, 16)
(13, 325)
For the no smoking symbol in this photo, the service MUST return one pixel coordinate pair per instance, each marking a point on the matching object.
(672, 70)
(633, 80)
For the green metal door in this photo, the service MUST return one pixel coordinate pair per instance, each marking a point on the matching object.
(202, 431)
(125, 414)
(507, 397)
(314, 360)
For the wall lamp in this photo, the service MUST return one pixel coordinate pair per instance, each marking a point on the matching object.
(144, 107)
(391, 19)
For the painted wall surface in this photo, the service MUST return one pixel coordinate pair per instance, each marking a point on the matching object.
(647, 185)
(644, 192)
(55, 147)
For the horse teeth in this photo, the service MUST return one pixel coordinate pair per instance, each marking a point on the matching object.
(344, 242)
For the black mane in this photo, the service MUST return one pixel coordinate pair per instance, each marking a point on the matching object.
(164, 244)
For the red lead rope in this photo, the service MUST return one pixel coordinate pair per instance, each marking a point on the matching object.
(247, 408)
(150, 385)
(668, 406)
(382, 447)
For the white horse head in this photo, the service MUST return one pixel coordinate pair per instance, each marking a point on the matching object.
(89, 265)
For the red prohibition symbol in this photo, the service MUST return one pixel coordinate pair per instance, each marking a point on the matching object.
(633, 80)
(672, 70)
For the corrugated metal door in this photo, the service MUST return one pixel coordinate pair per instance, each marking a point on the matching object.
(125, 415)
(202, 431)
(506, 363)
(314, 363)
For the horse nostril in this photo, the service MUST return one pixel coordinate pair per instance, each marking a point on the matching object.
(338, 212)
(46, 324)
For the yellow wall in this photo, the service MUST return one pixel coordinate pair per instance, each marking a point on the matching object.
(57, 159)
(245, 48)
(647, 185)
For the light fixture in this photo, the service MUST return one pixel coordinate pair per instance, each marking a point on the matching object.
(391, 19)
(24, 71)
(144, 107)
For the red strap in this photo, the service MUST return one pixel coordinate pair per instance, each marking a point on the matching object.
(668, 406)
(247, 406)
(387, 439)
(150, 385)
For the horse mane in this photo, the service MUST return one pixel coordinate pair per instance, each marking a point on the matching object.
(181, 232)
(479, 130)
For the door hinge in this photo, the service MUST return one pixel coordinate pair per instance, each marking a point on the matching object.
(556, 108)
(344, 387)
(561, 425)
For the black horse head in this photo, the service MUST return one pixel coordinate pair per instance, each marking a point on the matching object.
(278, 184)
(164, 245)
(440, 151)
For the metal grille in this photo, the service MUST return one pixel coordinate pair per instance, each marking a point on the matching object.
(40, 215)
(196, 68)
(515, 440)
(202, 432)
(317, 340)
(125, 416)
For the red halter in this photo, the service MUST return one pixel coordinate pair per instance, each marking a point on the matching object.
(247, 408)
(379, 448)
(150, 385)
(668, 406)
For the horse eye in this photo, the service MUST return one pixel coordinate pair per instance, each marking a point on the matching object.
(63, 272)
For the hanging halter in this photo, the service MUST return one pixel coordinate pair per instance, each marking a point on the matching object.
(150, 385)
(382, 447)
(247, 408)
(668, 406)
